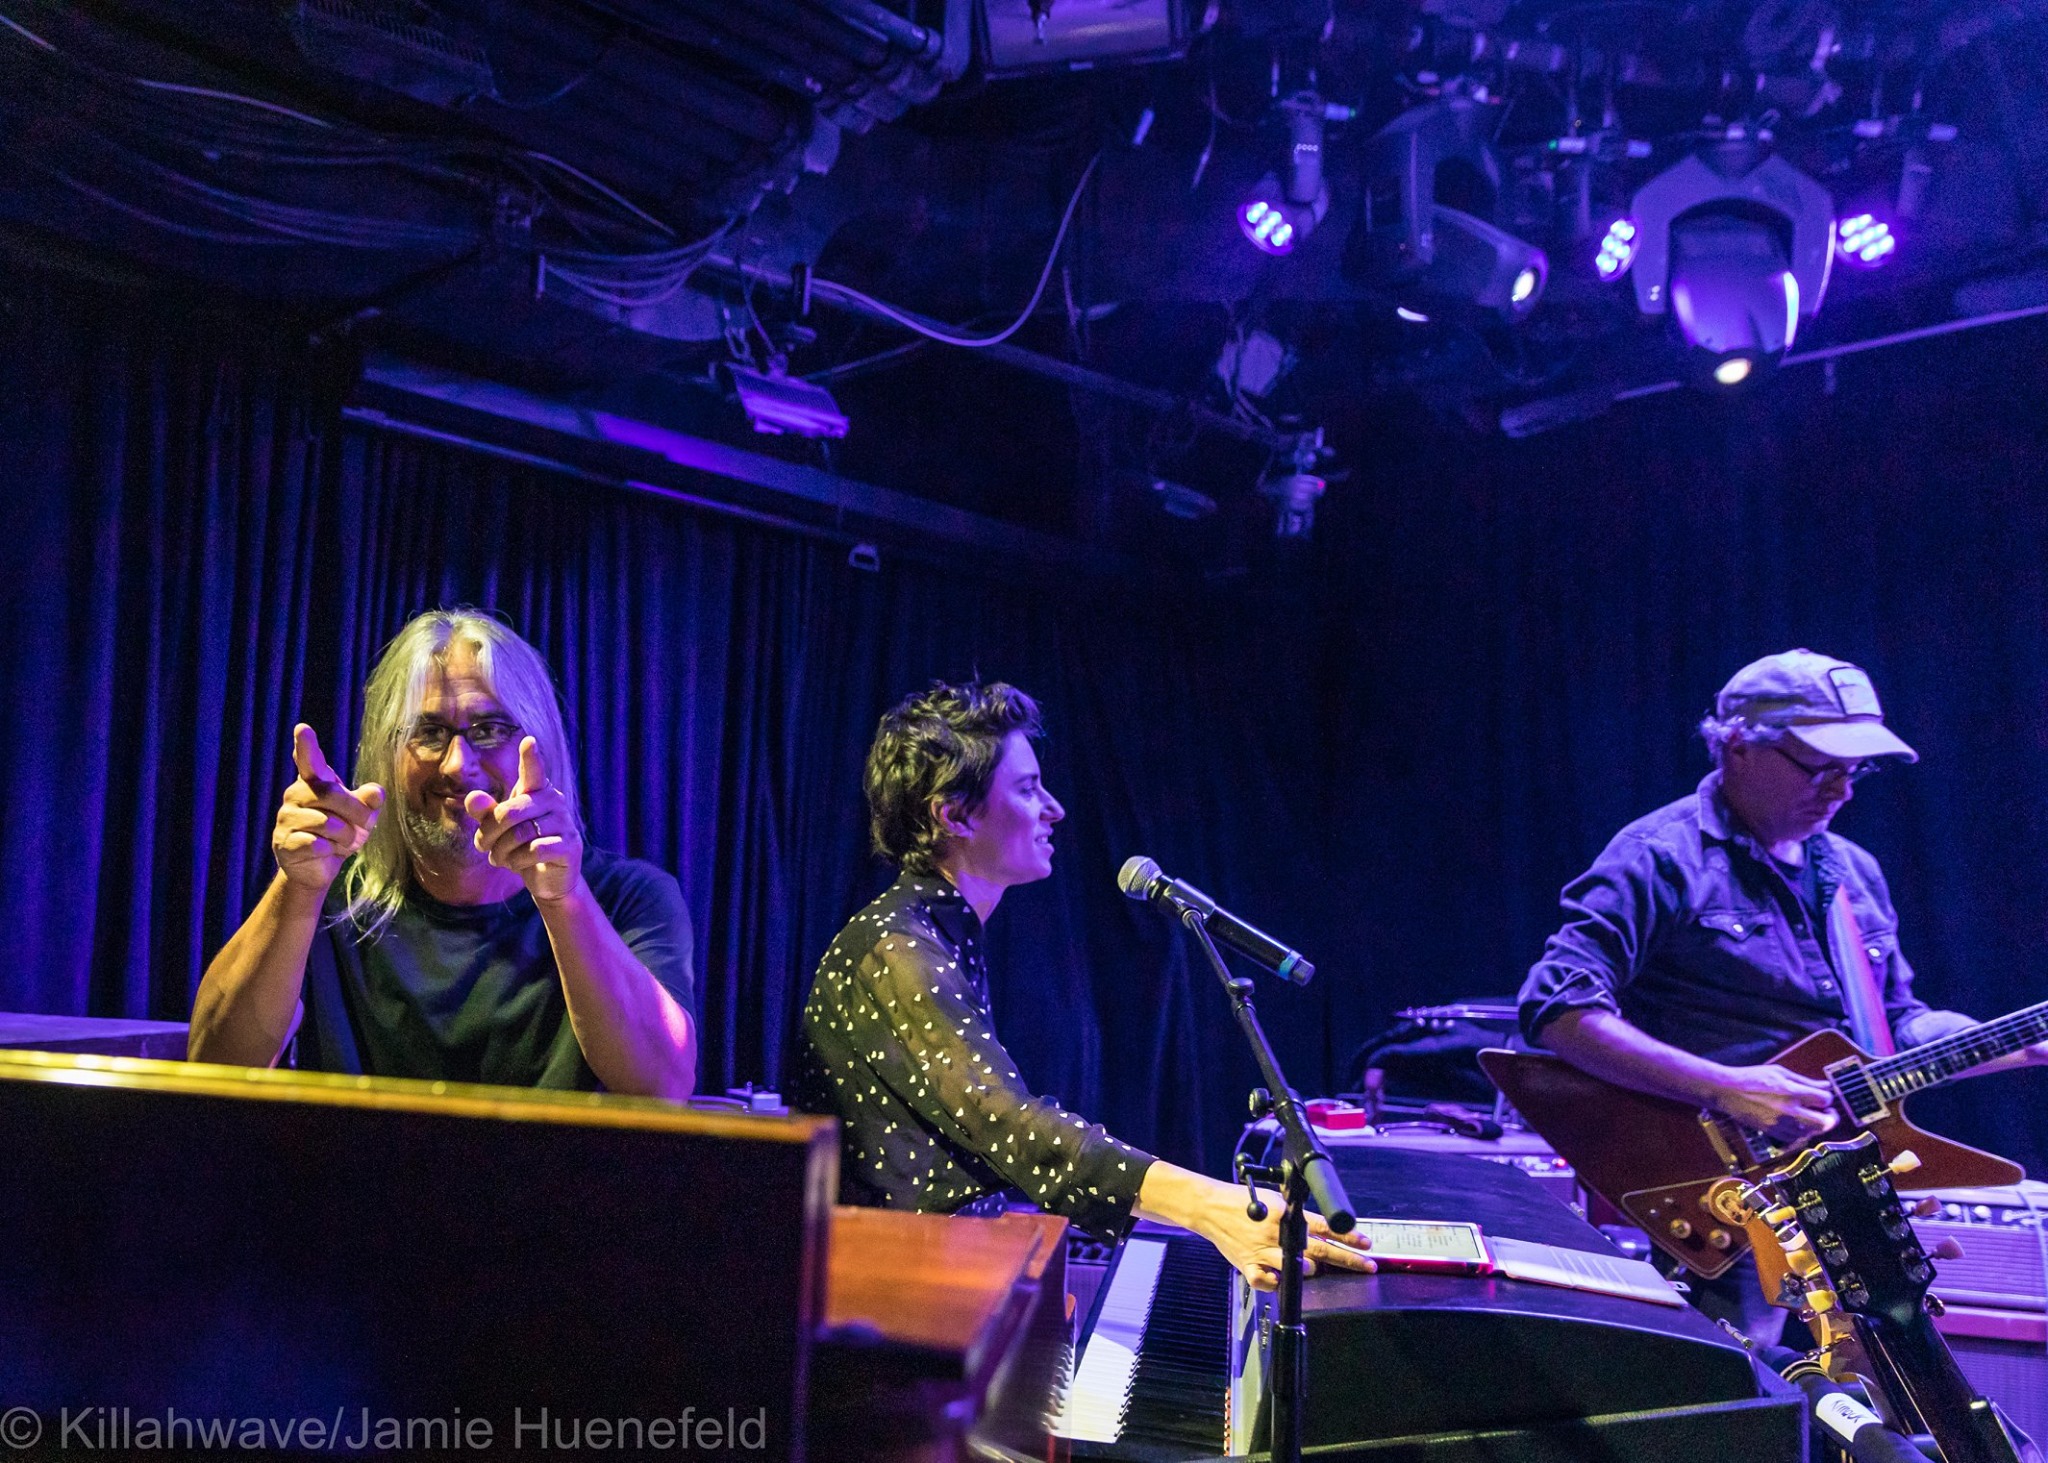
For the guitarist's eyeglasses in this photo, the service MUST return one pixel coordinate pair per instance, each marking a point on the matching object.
(1815, 776)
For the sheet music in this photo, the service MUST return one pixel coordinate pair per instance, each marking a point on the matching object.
(1582, 1270)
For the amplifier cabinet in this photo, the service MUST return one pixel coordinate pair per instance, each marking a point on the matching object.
(1516, 1148)
(1996, 1293)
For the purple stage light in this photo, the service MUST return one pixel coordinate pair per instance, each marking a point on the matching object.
(1274, 220)
(1265, 219)
(1864, 240)
(1617, 250)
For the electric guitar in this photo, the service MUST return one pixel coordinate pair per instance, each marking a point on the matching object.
(1856, 1270)
(1663, 1162)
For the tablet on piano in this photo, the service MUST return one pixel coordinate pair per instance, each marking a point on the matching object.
(1440, 1245)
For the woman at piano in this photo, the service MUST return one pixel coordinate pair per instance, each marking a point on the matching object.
(898, 1042)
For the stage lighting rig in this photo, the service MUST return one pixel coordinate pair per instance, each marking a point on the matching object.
(1023, 37)
(1428, 231)
(1736, 245)
(1293, 486)
(778, 404)
(1865, 240)
(1278, 216)
(1617, 249)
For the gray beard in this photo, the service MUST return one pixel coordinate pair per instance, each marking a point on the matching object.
(430, 838)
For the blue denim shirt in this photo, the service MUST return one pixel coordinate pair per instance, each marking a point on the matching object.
(1687, 928)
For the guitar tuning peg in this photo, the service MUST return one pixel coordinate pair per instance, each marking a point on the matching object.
(1904, 1162)
(1926, 1208)
(1947, 1249)
(1802, 1261)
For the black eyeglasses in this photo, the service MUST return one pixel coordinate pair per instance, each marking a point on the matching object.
(1815, 776)
(431, 739)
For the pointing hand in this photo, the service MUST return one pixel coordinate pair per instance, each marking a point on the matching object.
(532, 832)
(321, 820)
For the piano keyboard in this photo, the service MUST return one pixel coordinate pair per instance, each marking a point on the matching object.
(1153, 1379)
(1094, 1408)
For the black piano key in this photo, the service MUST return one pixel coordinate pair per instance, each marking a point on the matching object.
(1180, 1389)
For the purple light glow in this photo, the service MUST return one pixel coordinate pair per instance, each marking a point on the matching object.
(1273, 221)
(1864, 240)
(1617, 250)
(1267, 225)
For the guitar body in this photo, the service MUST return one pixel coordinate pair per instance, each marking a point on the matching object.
(1660, 1161)
(1944, 1163)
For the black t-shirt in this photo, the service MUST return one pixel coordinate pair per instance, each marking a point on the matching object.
(470, 993)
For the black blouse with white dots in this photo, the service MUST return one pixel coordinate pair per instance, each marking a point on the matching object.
(899, 1046)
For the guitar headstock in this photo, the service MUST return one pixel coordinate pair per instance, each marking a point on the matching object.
(1839, 1197)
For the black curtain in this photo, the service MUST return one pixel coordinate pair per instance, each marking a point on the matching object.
(1532, 630)
(1492, 660)
(215, 556)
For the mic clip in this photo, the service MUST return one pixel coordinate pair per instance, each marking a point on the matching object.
(1251, 1175)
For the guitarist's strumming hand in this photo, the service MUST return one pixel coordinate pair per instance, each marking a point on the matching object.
(1773, 1100)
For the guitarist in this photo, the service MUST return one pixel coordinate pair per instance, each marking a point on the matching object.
(1715, 932)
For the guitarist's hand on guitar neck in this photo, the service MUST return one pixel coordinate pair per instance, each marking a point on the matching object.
(1766, 1098)
(1772, 1100)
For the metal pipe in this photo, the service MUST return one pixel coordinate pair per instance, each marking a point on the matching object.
(795, 30)
(641, 455)
(378, 421)
(1924, 332)
(888, 26)
(1858, 347)
(824, 291)
(734, 54)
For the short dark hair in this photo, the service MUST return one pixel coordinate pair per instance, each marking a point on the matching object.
(941, 744)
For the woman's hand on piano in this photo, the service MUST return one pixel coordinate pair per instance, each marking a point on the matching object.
(1217, 1212)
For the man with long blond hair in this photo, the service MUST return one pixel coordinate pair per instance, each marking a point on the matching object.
(444, 918)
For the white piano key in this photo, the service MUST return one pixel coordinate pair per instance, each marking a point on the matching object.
(1093, 1411)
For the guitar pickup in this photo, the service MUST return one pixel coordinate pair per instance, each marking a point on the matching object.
(1717, 1129)
(1859, 1095)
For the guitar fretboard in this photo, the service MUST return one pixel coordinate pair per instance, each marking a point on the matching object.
(1951, 1056)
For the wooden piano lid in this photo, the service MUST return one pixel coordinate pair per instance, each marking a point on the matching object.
(936, 1329)
(932, 1282)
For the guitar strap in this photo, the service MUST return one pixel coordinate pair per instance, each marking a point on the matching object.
(1860, 989)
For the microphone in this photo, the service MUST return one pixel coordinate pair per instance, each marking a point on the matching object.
(1848, 1423)
(1140, 878)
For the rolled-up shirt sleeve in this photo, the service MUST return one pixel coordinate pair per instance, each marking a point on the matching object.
(940, 1056)
(1614, 915)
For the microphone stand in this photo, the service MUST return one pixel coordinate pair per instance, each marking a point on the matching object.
(1305, 1169)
